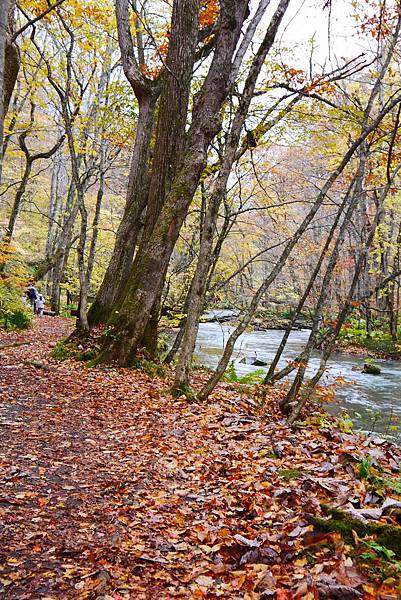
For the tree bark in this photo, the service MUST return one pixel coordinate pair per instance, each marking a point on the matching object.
(127, 327)
(198, 286)
(9, 65)
(147, 93)
(120, 264)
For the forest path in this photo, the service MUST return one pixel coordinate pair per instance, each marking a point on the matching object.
(110, 489)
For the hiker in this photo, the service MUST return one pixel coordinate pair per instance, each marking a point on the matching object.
(40, 304)
(32, 294)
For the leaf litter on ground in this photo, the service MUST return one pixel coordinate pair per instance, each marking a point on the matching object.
(112, 489)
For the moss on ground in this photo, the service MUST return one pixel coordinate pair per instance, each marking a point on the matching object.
(339, 521)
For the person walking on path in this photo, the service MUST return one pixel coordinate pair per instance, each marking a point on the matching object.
(40, 304)
(32, 294)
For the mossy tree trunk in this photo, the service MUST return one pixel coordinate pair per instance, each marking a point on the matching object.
(168, 209)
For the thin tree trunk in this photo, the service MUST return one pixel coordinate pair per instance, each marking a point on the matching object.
(246, 319)
(18, 199)
(196, 300)
(63, 246)
(324, 288)
(339, 322)
(270, 373)
(85, 276)
(198, 286)
(96, 219)
(29, 160)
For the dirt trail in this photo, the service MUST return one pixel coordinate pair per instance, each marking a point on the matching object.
(111, 489)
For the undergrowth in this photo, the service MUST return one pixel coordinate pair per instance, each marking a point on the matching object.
(232, 376)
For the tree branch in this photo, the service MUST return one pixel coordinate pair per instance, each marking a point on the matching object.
(35, 20)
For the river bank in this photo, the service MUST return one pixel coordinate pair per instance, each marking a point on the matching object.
(353, 349)
(113, 489)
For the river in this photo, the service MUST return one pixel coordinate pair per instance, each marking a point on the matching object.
(372, 401)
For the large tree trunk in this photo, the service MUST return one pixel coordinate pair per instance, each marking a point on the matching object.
(126, 328)
(170, 136)
(147, 93)
(120, 264)
(170, 132)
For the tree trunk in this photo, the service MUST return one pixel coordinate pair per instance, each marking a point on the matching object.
(29, 160)
(196, 298)
(17, 200)
(340, 319)
(324, 288)
(63, 246)
(127, 327)
(170, 132)
(57, 192)
(270, 373)
(9, 65)
(198, 286)
(117, 272)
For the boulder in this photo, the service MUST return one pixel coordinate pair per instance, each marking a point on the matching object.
(259, 363)
(371, 369)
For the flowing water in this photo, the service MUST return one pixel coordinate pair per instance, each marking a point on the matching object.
(372, 401)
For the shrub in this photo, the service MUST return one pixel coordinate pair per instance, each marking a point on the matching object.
(14, 313)
(20, 319)
(248, 379)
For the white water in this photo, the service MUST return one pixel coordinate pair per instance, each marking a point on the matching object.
(371, 400)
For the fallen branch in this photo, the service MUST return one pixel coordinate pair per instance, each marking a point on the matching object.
(39, 365)
(14, 345)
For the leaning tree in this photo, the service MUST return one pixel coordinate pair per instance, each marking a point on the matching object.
(180, 153)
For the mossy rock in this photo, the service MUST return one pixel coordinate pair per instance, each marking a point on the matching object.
(62, 351)
(371, 369)
(341, 522)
